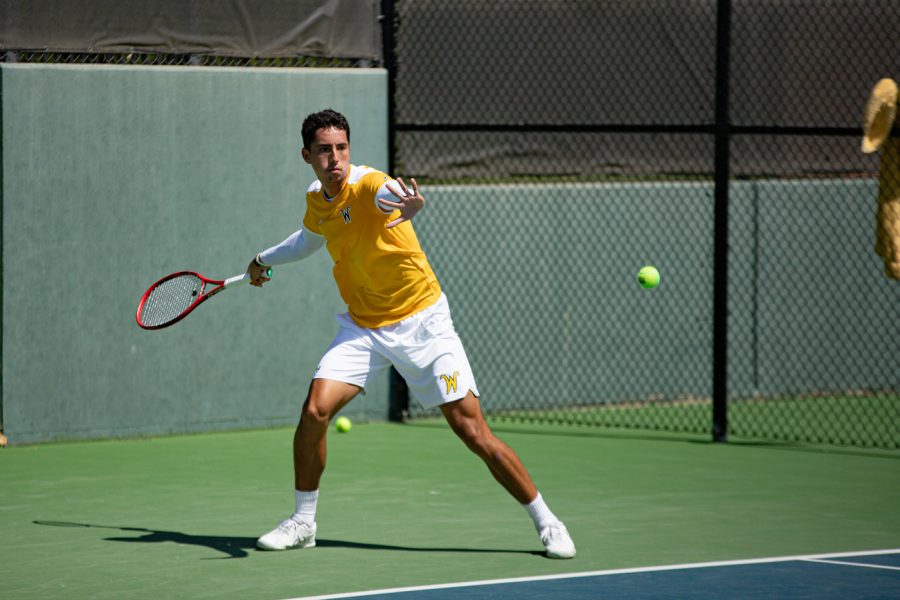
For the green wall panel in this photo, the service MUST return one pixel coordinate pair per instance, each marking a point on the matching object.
(114, 176)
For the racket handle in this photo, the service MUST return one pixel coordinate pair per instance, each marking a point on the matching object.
(242, 278)
(238, 279)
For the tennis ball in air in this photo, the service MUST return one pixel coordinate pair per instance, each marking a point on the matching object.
(648, 277)
(343, 424)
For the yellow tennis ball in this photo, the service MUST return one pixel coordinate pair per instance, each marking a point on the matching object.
(648, 277)
(343, 424)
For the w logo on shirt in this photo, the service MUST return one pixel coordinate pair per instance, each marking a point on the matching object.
(345, 212)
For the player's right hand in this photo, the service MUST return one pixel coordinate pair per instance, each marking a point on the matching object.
(260, 274)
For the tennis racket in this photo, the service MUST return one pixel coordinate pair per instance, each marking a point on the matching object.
(173, 297)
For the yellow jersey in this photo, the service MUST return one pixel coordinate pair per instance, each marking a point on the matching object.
(382, 274)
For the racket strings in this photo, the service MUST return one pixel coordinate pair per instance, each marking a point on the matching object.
(170, 299)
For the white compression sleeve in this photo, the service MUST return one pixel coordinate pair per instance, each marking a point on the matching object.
(384, 192)
(388, 191)
(298, 245)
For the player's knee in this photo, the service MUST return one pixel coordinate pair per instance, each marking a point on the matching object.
(314, 414)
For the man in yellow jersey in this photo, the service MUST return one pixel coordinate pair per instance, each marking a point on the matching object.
(397, 315)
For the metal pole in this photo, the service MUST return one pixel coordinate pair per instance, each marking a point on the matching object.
(398, 391)
(389, 61)
(720, 244)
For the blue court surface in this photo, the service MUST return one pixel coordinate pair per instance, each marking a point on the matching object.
(842, 576)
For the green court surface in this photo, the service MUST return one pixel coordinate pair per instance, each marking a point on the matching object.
(177, 517)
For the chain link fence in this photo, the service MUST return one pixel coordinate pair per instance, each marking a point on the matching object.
(564, 145)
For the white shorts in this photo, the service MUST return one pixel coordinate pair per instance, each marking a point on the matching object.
(424, 348)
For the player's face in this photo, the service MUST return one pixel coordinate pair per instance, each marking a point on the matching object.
(329, 157)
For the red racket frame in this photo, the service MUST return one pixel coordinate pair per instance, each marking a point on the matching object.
(201, 298)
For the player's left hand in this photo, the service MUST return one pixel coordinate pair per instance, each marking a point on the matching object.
(409, 202)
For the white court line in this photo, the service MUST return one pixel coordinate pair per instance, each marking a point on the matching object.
(702, 565)
(852, 564)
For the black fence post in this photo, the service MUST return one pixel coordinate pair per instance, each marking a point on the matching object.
(389, 62)
(398, 392)
(720, 244)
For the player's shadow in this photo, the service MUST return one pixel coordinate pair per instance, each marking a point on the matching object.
(239, 547)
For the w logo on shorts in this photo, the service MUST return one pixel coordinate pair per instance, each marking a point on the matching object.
(451, 381)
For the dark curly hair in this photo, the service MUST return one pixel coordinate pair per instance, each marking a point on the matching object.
(323, 119)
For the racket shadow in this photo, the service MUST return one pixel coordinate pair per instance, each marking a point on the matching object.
(231, 546)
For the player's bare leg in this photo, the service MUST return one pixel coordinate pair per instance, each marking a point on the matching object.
(467, 421)
(325, 398)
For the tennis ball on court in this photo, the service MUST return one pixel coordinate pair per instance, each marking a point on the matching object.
(343, 424)
(648, 277)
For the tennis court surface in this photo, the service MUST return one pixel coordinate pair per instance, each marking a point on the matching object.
(407, 512)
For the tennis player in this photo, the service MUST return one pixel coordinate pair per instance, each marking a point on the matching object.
(397, 315)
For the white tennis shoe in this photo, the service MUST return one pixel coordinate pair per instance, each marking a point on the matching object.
(289, 534)
(557, 541)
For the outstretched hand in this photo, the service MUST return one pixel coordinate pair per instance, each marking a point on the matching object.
(409, 202)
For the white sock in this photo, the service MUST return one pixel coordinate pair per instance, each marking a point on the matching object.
(305, 506)
(540, 513)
